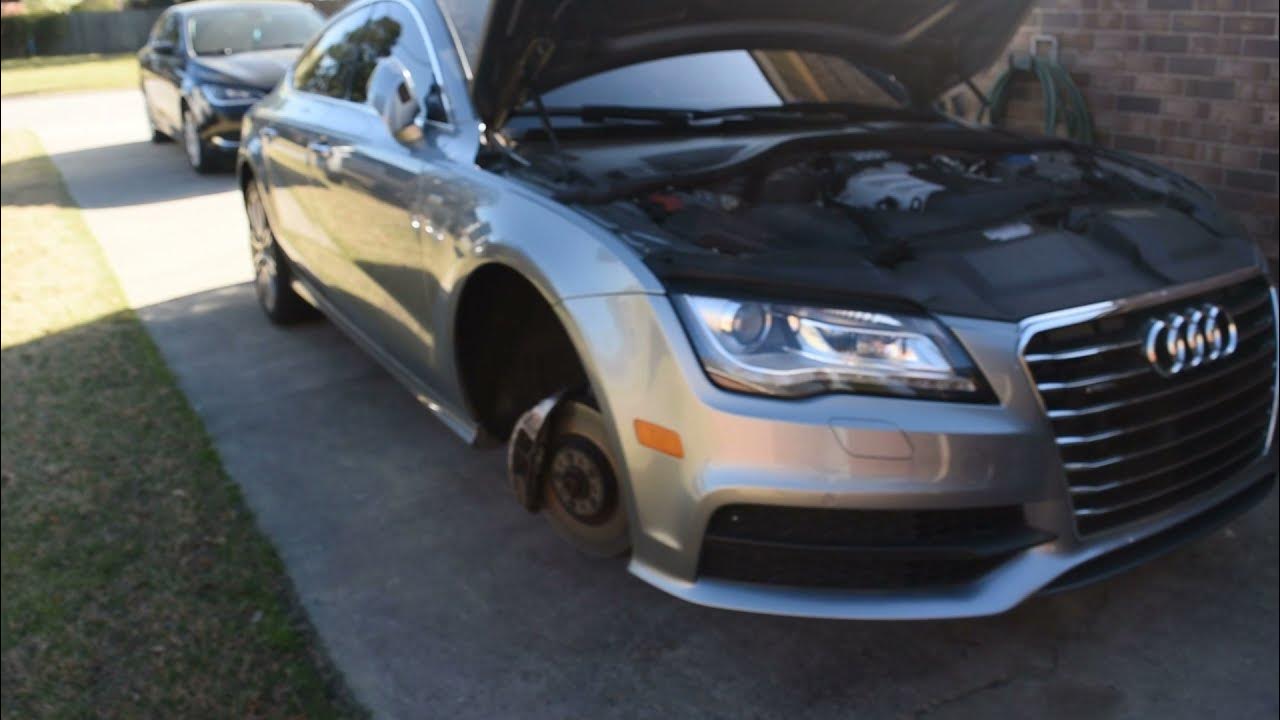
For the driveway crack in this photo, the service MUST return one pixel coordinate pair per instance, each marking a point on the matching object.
(999, 683)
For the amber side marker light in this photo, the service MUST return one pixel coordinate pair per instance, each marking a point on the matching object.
(662, 439)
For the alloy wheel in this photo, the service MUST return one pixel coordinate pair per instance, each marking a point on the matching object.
(261, 243)
(191, 141)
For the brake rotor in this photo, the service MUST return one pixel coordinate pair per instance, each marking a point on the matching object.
(580, 492)
(582, 480)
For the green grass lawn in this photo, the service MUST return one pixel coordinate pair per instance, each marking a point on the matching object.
(134, 581)
(27, 76)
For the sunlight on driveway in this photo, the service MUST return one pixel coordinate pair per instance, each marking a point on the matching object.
(166, 231)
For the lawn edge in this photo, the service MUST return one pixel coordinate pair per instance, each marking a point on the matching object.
(337, 689)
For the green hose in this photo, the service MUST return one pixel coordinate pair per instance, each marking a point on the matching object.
(1062, 99)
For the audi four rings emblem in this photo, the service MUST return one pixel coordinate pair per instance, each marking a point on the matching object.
(1180, 341)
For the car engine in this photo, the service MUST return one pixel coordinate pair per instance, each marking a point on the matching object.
(865, 197)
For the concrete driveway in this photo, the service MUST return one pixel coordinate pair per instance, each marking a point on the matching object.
(437, 596)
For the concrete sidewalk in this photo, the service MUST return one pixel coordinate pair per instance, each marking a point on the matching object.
(437, 596)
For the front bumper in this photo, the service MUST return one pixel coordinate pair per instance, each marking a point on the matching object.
(1049, 568)
(219, 123)
(853, 452)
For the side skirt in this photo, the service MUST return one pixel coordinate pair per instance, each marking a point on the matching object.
(465, 428)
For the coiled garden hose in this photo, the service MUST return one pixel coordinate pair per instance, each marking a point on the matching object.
(1062, 99)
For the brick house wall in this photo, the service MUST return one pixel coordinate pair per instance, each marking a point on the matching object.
(1191, 84)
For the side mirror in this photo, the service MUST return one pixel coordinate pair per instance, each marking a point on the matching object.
(163, 47)
(392, 95)
(436, 110)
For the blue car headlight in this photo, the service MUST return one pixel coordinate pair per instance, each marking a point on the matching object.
(231, 95)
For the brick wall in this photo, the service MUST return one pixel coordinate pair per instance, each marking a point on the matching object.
(1191, 84)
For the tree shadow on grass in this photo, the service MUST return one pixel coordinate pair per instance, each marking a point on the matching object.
(132, 574)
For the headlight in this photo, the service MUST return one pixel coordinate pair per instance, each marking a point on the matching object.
(228, 94)
(796, 351)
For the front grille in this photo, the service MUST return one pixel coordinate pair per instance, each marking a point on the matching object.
(1134, 442)
(862, 549)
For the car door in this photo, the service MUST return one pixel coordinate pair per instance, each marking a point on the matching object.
(161, 66)
(374, 177)
(294, 130)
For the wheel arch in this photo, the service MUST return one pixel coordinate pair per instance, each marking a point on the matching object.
(508, 329)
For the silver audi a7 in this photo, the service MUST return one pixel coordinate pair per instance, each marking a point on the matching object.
(742, 304)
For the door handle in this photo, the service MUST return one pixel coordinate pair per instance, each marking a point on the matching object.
(269, 132)
(322, 149)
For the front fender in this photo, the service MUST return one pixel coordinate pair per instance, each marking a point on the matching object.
(561, 251)
(473, 218)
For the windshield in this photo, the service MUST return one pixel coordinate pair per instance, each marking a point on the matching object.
(223, 32)
(730, 79)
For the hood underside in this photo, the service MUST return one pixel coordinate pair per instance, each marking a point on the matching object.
(928, 46)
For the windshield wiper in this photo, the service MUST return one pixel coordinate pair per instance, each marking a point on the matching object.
(238, 50)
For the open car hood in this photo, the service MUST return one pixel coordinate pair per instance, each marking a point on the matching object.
(928, 46)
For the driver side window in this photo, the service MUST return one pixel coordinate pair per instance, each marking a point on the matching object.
(396, 34)
(410, 46)
(326, 68)
(166, 30)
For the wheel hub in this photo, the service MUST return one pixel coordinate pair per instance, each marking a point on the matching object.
(582, 481)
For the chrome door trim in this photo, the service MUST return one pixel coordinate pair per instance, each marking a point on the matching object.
(457, 41)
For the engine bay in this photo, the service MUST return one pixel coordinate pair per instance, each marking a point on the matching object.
(989, 227)
(864, 198)
(880, 199)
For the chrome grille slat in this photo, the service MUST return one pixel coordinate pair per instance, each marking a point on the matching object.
(1248, 306)
(1094, 380)
(1117, 507)
(1122, 431)
(1133, 441)
(1203, 380)
(1083, 352)
(1152, 449)
(1082, 489)
(1247, 335)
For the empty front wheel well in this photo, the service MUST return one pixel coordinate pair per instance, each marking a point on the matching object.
(512, 350)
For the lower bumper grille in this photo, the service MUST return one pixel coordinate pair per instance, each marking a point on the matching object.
(1135, 441)
(862, 549)
(1134, 554)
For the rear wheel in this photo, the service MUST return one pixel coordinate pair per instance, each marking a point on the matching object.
(199, 154)
(272, 276)
(581, 494)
